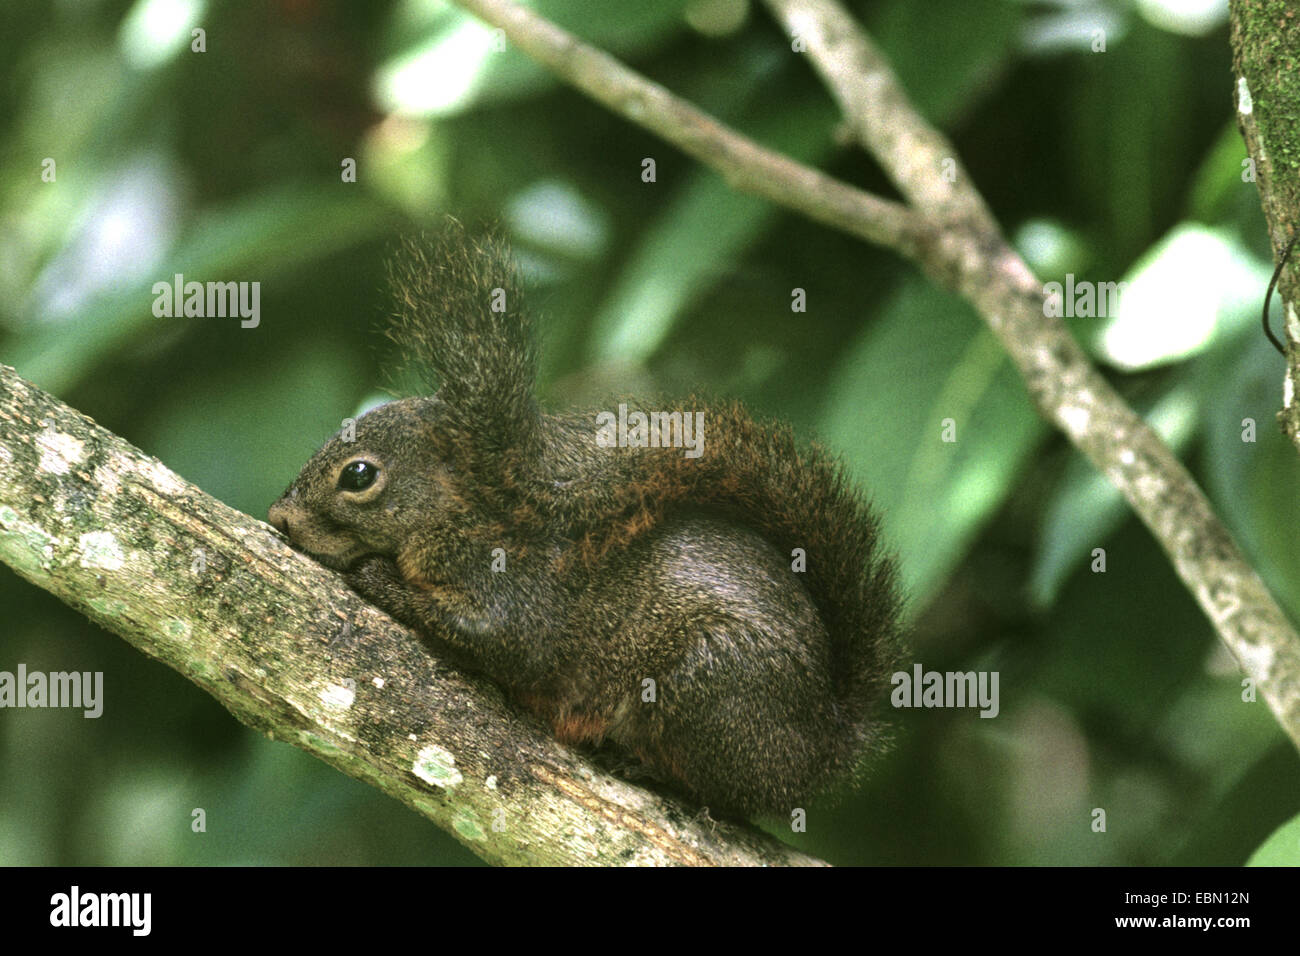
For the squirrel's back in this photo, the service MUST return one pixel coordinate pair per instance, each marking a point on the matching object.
(809, 590)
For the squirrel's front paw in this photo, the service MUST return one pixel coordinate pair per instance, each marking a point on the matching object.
(376, 579)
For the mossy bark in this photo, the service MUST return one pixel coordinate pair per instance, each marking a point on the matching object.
(1266, 96)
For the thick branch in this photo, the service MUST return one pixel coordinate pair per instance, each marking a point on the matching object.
(962, 248)
(292, 652)
(1266, 70)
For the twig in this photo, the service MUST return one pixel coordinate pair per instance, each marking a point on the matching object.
(286, 647)
(1268, 295)
(962, 248)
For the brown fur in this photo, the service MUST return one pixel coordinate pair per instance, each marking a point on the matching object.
(647, 599)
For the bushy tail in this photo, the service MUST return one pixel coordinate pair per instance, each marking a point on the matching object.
(756, 474)
(459, 318)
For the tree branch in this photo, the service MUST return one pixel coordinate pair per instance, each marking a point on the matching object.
(746, 165)
(955, 239)
(284, 645)
(1266, 68)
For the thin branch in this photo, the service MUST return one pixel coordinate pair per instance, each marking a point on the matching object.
(292, 652)
(746, 165)
(963, 249)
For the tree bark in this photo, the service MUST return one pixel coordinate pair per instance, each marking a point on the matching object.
(288, 649)
(1266, 73)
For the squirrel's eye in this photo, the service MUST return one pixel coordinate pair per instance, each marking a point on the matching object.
(358, 476)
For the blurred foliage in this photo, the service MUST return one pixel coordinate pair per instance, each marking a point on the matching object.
(1115, 165)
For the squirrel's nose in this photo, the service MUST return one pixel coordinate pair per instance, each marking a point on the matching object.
(278, 517)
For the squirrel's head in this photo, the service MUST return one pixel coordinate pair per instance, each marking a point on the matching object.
(365, 493)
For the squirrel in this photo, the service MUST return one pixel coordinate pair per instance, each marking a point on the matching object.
(726, 618)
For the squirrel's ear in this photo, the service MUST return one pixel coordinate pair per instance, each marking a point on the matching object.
(459, 317)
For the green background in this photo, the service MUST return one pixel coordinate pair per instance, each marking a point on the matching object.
(1122, 164)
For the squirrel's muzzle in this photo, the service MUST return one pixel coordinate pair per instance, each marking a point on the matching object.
(281, 517)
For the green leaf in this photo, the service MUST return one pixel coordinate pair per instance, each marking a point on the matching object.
(945, 67)
(704, 228)
(450, 61)
(1253, 483)
(1087, 509)
(927, 359)
(1217, 186)
(1195, 287)
(211, 435)
(1282, 848)
(258, 238)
